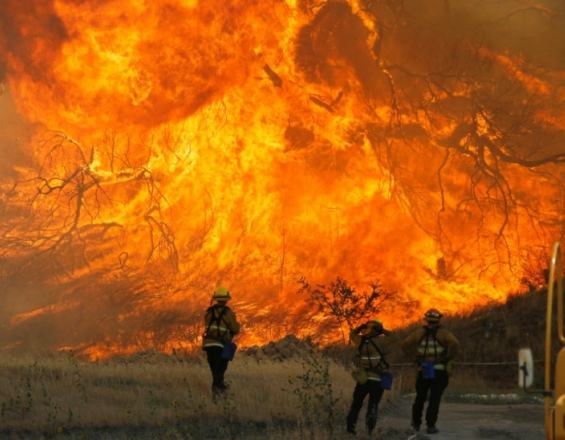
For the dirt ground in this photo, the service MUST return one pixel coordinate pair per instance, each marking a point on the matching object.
(458, 421)
(466, 421)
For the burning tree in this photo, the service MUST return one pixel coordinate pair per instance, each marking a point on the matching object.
(180, 144)
(345, 304)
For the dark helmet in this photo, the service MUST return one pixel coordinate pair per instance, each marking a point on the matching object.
(433, 316)
(375, 324)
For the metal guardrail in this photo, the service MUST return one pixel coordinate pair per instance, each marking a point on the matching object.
(468, 364)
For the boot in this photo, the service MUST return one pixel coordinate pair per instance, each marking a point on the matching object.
(218, 392)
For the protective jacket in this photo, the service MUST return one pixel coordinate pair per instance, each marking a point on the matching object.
(432, 344)
(220, 326)
(370, 357)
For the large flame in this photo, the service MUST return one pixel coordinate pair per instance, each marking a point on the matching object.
(182, 144)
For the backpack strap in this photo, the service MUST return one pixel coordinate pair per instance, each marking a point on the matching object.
(382, 360)
(433, 333)
(215, 319)
(361, 344)
(381, 354)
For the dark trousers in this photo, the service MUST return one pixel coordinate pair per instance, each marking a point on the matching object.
(375, 392)
(435, 387)
(218, 367)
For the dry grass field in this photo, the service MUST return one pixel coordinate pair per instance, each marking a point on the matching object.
(157, 396)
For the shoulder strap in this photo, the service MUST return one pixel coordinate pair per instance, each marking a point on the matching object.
(433, 333)
(426, 333)
(424, 336)
(214, 318)
(381, 354)
(220, 318)
(364, 339)
(361, 344)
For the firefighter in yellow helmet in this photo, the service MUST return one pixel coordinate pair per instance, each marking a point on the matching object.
(371, 366)
(221, 326)
(433, 347)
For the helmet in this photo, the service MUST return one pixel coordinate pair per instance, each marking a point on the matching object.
(221, 294)
(433, 316)
(375, 325)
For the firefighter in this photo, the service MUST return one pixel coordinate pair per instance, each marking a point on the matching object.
(371, 366)
(221, 326)
(434, 348)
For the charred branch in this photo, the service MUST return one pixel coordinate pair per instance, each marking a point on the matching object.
(273, 76)
(64, 214)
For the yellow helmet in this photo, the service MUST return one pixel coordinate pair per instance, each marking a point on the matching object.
(221, 294)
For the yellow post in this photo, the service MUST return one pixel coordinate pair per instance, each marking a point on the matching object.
(555, 277)
(560, 418)
(560, 293)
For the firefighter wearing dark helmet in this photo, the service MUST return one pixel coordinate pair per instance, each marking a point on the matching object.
(371, 366)
(221, 326)
(433, 347)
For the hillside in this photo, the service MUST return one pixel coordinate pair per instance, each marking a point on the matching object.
(492, 334)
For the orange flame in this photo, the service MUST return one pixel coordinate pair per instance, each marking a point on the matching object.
(185, 144)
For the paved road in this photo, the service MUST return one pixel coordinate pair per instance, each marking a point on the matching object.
(463, 421)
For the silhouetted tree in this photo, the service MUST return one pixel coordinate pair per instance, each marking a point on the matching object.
(344, 303)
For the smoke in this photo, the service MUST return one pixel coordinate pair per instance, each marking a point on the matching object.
(31, 35)
(533, 29)
(333, 45)
(15, 134)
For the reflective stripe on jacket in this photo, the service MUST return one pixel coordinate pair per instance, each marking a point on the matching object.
(439, 349)
(432, 351)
